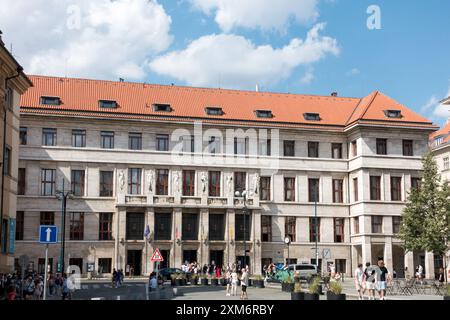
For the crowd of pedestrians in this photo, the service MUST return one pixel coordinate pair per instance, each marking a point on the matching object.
(372, 279)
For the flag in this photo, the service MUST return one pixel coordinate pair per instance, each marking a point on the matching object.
(147, 232)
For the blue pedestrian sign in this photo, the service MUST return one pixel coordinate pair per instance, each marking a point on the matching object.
(48, 234)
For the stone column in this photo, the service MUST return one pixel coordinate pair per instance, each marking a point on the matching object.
(230, 254)
(177, 252)
(150, 218)
(429, 265)
(388, 254)
(409, 263)
(355, 262)
(121, 223)
(366, 250)
(256, 265)
(204, 235)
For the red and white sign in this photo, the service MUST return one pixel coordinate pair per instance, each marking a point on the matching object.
(157, 256)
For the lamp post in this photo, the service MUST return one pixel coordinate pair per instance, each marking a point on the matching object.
(287, 240)
(63, 195)
(244, 195)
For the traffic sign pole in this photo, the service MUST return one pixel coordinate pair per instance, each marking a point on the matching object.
(46, 269)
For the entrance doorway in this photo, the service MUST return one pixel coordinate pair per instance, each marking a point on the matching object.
(189, 256)
(134, 259)
(166, 263)
(240, 262)
(216, 257)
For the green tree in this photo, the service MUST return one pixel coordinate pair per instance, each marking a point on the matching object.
(426, 216)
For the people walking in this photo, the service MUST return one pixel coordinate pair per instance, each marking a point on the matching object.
(65, 287)
(114, 278)
(359, 276)
(384, 277)
(29, 288)
(228, 281)
(234, 282)
(371, 279)
(244, 283)
(38, 289)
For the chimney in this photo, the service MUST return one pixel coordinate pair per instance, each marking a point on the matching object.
(257, 88)
(334, 94)
(121, 80)
(1, 40)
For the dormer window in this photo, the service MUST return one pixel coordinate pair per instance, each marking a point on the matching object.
(107, 104)
(50, 101)
(161, 107)
(393, 114)
(264, 113)
(311, 116)
(214, 111)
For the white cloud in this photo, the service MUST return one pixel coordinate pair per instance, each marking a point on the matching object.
(435, 109)
(353, 72)
(308, 77)
(113, 39)
(235, 62)
(266, 15)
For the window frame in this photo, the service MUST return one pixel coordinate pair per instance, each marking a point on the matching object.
(188, 179)
(339, 230)
(377, 224)
(134, 141)
(162, 142)
(105, 226)
(313, 149)
(46, 218)
(45, 182)
(338, 190)
(289, 189)
(76, 226)
(107, 139)
(338, 147)
(266, 228)
(313, 190)
(214, 179)
(49, 134)
(408, 148)
(74, 183)
(240, 181)
(20, 219)
(21, 181)
(396, 188)
(23, 135)
(355, 189)
(381, 146)
(289, 145)
(290, 227)
(162, 184)
(134, 186)
(106, 188)
(78, 134)
(312, 229)
(265, 188)
(375, 188)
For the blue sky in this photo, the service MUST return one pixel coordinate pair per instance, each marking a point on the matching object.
(297, 46)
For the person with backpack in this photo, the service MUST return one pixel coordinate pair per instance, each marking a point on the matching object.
(65, 287)
(371, 281)
(114, 278)
(28, 288)
(384, 277)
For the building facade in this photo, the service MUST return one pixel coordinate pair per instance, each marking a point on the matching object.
(154, 166)
(13, 83)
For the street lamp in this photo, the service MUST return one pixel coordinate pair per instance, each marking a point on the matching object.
(287, 240)
(63, 195)
(244, 195)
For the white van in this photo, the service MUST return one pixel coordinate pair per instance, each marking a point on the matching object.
(304, 270)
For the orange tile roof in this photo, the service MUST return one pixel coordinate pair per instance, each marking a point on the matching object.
(80, 97)
(445, 132)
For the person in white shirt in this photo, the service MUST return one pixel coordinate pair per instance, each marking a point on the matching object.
(153, 283)
(234, 282)
(359, 275)
(244, 284)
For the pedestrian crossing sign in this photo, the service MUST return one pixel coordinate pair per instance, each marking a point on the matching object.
(157, 256)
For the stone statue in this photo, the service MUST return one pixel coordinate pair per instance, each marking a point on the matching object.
(256, 183)
(230, 184)
(150, 178)
(121, 180)
(176, 183)
(204, 182)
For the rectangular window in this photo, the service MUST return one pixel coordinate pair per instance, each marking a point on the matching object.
(23, 136)
(341, 265)
(47, 218)
(41, 265)
(313, 149)
(415, 183)
(355, 190)
(339, 230)
(266, 228)
(338, 190)
(189, 226)
(135, 226)
(408, 150)
(79, 138)
(214, 183)
(396, 188)
(336, 150)
(77, 262)
(290, 227)
(163, 226)
(77, 181)
(135, 141)
(104, 265)
(240, 229)
(162, 142)
(240, 181)
(396, 223)
(48, 137)
(446, 163)
(21, 183)
(7, 164)
(188, 183)
(107, 139)
(107, 104)
(356, 225)
(264, 147)
(289, 148)
(214, 145)
(134, 180)
(76, 226)
(314, 229)
(9, 97)
(216, 227)
(240, 146)
(20, 217)
(382, 146)
(377, 224)
(264, 190)
(105, 226)
(354, 148)
(162, 182)
(313, 188)
(50, 101)
(289, 189)
(106, 183)
(188, 143)
(375, 188)
(48, 177)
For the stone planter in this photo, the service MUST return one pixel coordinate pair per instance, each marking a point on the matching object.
(204, 281)
(332, 296)
(297, 296)
(287, 287)
(214, 282)
(258, 283)
(312, 296)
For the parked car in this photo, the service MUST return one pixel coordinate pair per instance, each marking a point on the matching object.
(167, 272)
(304, 270)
